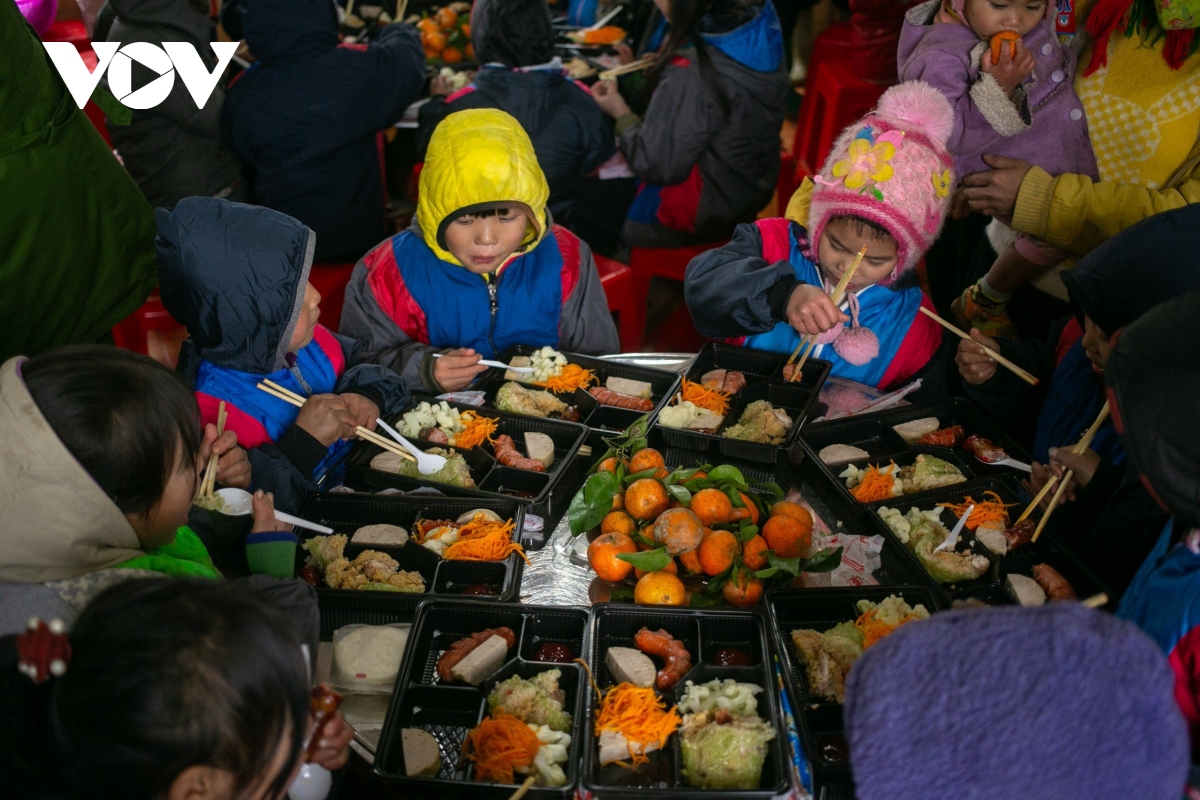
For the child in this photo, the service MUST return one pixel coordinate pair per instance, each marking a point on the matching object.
(482, 268)
(1115, 521)
(885, 186)
(1020, 106)
(163, 689)
(706, 153)
(306, 114)
(1057, 702)
(1154, 390)
(103, 459)
(237, 277)
(522, 76)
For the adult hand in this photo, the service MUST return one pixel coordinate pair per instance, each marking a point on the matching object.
(995, 192)
(362, 409)
(326, 418)
(457, 369)
(233, 467)
(440, 86)
(1038, 475)
(811, 311)
(959, 207)
(1011, 69)
(608, 97)
(1084, 465)
(974, 363)
(333, 743)
(263, 504)
(624, 53)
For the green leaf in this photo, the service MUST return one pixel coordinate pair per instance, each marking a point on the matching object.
(648, 560)
(825, 560)
(640, 539)
(696, 484)
(622, 471)
(732, 493)
(702, 600)
(769, 572)
(621, 594)
(727, 474)
(789, 565)
(773, 488)
(747, 533)
(637, 476)
(681, 494)
(592, 502)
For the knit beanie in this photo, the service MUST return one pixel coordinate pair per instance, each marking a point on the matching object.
(891, 168)
(1057, 701)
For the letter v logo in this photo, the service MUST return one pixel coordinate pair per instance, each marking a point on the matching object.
(80, 83)
(198, 80)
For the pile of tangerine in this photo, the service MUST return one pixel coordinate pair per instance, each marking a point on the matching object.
(446, 37)
(693, 536)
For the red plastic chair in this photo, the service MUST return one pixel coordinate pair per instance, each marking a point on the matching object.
(663, 262)
(134, 332)
(331, 280)
(618, 283)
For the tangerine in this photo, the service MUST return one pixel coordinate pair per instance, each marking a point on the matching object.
(712, 506)
(671, 568)
(743, 590)
(466, 29)
(431, 55)
(796, 511)
(446, 18)
(691, 561)
(659, 589)
(646, 498)
(433, 40)
(679, 529)
(618, 501)
(618, 522)
(608, 465)
(788, 536)
(754, 553)
(717, 552)
(750, 512)
(427, 25)
(452, 55)
(603, 552)
(998, 40)
(468, 51)
(648, 458)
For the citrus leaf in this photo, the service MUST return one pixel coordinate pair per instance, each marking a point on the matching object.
(825, 560)
(789, 565)
(648, 560)
(730, 474)
(773, 488)
(592, 502)
(620, 594)
(681, 494)
(769, 572)
(702, 600)
(747, 533)
(637, 476)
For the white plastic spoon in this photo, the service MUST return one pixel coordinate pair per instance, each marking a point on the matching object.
(1007, 462)
(240, 503)
(497, 365)
(427, 463)
(952, 539)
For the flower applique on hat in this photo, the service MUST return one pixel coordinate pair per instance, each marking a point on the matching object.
(866, 165)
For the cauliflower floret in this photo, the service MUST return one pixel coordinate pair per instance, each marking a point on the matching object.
(553, 751)
(547, 363)
(895, 522)
(679, 416)
(324, 550)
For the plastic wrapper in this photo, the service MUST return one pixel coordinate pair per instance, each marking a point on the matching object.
(366, 658)
(860, 560)
(469, 398)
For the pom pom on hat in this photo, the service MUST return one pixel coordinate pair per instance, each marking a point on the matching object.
(917, 106)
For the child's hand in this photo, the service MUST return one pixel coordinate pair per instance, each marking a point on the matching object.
(326, 418)
(333, 745)
(1083, 465)
(810, 311)
(264, 514)
(455, 370)
(440, 86)
(363, 409)
(608, 97)
(624, 53)
(233, 468)
(974, 363)
(1038, 475)
(1011, 69)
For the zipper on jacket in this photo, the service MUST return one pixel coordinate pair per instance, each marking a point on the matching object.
(494, 306)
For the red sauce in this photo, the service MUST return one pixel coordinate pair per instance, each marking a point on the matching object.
(554, 652)
(480, 589)
(730, 657)
(311, 575)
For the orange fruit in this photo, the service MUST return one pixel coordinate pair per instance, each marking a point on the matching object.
(659, 589)
(431, 54)
(646, 498)
(468, 51)
(648, 458)
(433, 40)
(618, 501)
(427, 25)
(691, 561)
(608, 465)
(446, 18)
(679, 529)
(750, 512)
(794, 510)
(452, 55)
(671, 568)
(712, 506)
(717, 552)
(618, 522)
(788, 536)
(603, 552)
(466, 29)
(743, 590)
(998, 40)
(753, 553)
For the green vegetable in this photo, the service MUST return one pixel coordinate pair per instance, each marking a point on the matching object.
(592, 502)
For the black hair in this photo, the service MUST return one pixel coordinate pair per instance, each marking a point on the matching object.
(120, 414)
(865, 227)
(686, 18)
(515, 33)
(164, 675)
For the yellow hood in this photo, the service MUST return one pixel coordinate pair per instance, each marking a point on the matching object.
(479, 156)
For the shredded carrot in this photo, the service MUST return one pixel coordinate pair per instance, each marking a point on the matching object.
(875, 485)
(571, 378)
(483, 540)
(498, 745)
(873, 629)
(638, 714)
(994, 510)
(706, 397)
(478, 429)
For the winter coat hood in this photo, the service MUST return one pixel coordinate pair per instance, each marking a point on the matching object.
(1153, 377)
(289, 30)
(516, 33)
(58, 523)
(235, 276)
(476, 159)
(1142, 266)
(189, 16)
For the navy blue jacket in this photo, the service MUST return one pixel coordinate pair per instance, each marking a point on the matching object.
(305, 115)
(235, 276)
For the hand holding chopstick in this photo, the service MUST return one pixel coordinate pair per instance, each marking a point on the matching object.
(288, 396)
(999, 359)
(810, 340)
(1080, 449)
(208, 484)
(625, 69)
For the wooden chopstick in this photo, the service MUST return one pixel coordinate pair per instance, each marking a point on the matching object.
(368, 435)
(284, 390)
(1095, 601)
(839, 292)
(523, 789)
(625, 69)
(287, 398)
(992, 354)
(210, 474)
(1079, 449)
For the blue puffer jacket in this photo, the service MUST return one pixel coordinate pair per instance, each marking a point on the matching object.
(306, 114)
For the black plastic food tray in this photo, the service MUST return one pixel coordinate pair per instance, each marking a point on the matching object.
(702, 632)
(346, 513)
(819, 721)
(449, 711)
(989, 588)
(605, 420)
(492, 479)
(764, 381)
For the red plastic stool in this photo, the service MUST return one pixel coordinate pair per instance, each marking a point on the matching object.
(330, 280)
(663, 262)
(617, 280)
(134, 332)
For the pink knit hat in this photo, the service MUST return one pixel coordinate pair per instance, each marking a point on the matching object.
(891, 168)
(959, 5)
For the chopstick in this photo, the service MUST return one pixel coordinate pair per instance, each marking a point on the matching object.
(210, 474)
(625, 69)
(838, 292)
(1084, 443)
(524, 788)
(288, 396)
(598, 24)
(992, 354)
(1095, 601)
(1080, 449)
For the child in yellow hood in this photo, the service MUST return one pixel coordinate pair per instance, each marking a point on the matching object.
(482, 269)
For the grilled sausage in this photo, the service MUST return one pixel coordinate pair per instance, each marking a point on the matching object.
(508, 455)
(610, 398)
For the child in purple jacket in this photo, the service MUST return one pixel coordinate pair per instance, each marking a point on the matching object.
(1022, 106)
